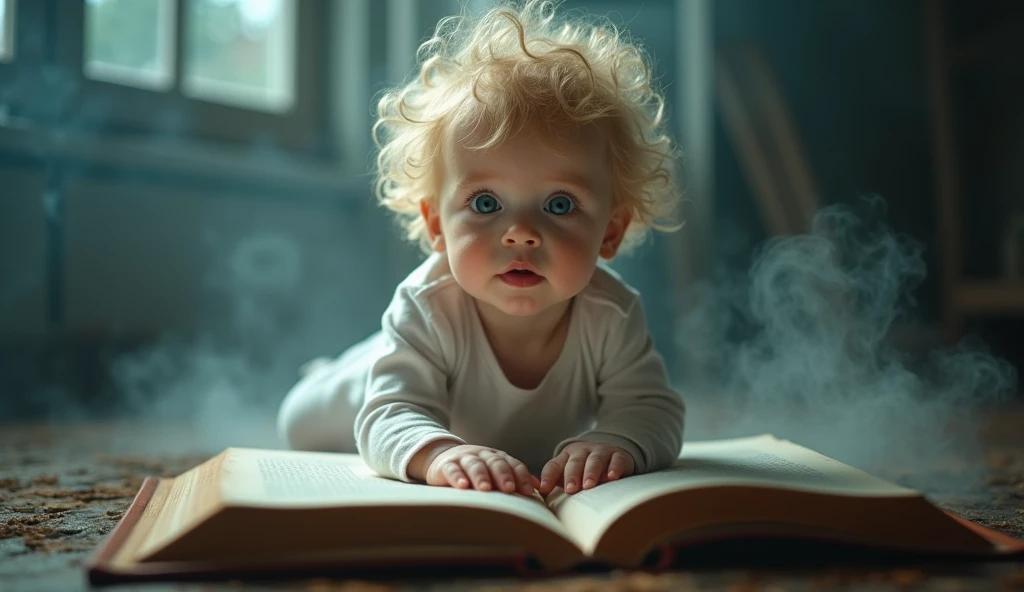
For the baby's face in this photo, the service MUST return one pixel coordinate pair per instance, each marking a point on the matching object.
(543, 206)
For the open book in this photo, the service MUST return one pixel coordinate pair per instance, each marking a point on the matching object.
(248, 510)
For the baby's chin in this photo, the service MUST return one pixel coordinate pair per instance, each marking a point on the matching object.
(527, 303)
(524, 305)
(520, 309)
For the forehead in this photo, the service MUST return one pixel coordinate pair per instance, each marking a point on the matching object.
(578, 151)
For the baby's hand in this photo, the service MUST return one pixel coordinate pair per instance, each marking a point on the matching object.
(586, 462)
(483, 468)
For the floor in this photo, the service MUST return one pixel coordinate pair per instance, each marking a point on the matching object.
(64, 487)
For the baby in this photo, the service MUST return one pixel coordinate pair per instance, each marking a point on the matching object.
(523, 152)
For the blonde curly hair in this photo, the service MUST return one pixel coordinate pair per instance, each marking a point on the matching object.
(516, 65)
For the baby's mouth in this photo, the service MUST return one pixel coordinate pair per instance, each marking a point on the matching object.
(521, 278)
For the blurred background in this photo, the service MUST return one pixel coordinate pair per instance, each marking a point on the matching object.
(187, 211)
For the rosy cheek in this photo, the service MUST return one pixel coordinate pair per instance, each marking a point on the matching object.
(470, 256)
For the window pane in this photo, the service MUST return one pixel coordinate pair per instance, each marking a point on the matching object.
(6, 30)
(130, 42)
(241, 52)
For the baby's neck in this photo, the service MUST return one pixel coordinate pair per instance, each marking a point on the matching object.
(536, 331)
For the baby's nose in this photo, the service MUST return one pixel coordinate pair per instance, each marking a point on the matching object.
(522, 235)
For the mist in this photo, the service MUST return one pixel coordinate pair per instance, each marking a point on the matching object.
(272, 304)
(799, 346)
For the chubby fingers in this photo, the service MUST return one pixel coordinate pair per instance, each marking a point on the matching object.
(478, 472)
(574, 470)
(621, 465)
(551, 474)
(455, 475)
(526, 483)
(566, 469)
(594, 468)
(508, 474)
(489, 470)
(580, 467)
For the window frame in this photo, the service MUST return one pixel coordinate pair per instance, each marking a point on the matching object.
(8, 29)
(173, 115)
(20, 82)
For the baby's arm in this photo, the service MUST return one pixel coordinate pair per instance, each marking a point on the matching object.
(401, 430)
(638, 411)
(405, 408)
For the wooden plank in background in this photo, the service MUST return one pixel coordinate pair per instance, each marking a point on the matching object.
(766, 140)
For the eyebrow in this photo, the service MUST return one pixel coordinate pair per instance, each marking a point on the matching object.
(573, 180)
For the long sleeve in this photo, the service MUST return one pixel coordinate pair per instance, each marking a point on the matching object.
(406, 403)
(637, 409)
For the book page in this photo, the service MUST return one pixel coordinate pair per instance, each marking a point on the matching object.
(293, 479)
(756, 461)
(192, 497)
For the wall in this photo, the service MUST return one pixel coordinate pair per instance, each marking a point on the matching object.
(854, 78)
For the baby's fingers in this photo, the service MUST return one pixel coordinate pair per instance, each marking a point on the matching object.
(455, 475)
(525, 482)
(594, 469)
(551, 474)
(477, 471)
(515, 475)
(574, 471)
(501, 471)
(621, 465)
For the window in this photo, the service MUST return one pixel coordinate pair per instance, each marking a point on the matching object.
(235, 52)
(244, 72)
(6, 30)
(130, 42)
(241, 52)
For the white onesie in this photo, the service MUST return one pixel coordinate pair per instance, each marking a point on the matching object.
(430, 374)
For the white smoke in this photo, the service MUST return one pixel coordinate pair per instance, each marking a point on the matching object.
(275, 309)
(798, 347)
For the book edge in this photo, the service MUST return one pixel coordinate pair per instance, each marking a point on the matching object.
(100, 564)
(207, 571)
(100, 570)
(1004, 544)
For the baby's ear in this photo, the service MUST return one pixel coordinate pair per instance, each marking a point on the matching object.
(615, 231)
(433, 223)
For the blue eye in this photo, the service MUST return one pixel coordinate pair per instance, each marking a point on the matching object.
(560, 205)
(485, 203)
